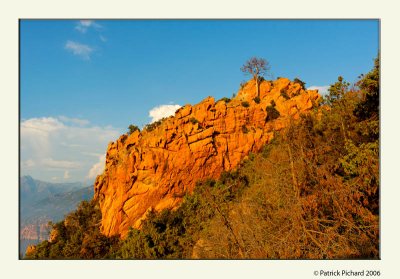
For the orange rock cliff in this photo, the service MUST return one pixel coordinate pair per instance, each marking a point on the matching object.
(153, 170)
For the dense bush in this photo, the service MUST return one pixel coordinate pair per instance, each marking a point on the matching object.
(151, 126)
(174, 234)
(272, 113)
(193, 120)
(76, 237)
(261, 79)
(225, 99)
(132, 129)
(245, 104)
(302, 83)
(257, 100)
(285, 95)
(369, 85)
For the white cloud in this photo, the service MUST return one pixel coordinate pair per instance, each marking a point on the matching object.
(161, 111)
(28, 164)
(79, 49)
(77, 121)
(71, 144)
(97, 168)
(83, 25)
(323, 90)
(66, 174)
(92, 154)
(43, 125)
(35, 134)
(52, 145)
(59, 164)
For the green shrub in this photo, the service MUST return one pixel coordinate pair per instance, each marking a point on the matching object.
(208, 182)
(225, 99)
(257, 100)
(272, 113)
(245, 104)
(266, 150)
(273, 104)
(151, 126)
(78, 237)
(193, 120)
(245, 130)
(302, 83)
(285, 95)
(132, 129)
(252, 156)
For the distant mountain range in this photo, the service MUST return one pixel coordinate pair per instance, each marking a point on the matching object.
(41, 202)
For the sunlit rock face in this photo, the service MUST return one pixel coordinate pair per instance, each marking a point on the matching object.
(153, 170)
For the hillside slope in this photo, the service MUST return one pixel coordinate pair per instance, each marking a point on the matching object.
(310, 193)
(155, 168)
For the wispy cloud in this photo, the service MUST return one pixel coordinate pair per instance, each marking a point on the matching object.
(59, 164)
(84, 51)
(28, 164)
(52, 145)
(76, 121)
(323, 90)
(81, 50)
(83, 25)
(162, 111)
(103, 39)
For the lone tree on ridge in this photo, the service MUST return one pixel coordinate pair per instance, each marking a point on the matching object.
(257, 67)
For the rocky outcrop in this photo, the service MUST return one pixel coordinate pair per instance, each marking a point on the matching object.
(153, 170)
(30, 250)
(36, 231)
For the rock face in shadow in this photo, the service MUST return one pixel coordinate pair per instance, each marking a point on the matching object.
(153, 170)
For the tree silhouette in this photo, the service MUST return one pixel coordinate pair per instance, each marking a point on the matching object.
(256, 67)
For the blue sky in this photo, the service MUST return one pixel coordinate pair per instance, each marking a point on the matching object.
(83, 82)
